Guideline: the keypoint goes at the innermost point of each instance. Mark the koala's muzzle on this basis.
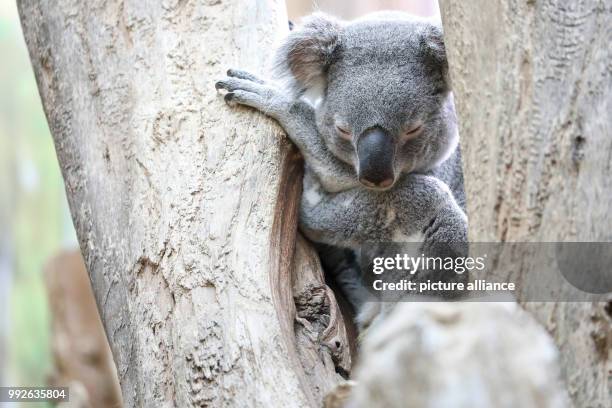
(376, 154)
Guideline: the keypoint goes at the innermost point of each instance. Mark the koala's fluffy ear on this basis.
(435, 55)
(303, 58)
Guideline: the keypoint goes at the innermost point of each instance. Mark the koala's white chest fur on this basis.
(312, 194)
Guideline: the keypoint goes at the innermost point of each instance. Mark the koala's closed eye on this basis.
(412, 132)
(342, 127)
(344, 132)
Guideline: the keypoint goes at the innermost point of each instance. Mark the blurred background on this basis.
(349, 9)
(34, 219)
(37, 239)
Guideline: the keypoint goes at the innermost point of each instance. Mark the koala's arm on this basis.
(297, 118)
(420, 208)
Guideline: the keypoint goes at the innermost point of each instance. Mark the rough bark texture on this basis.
(532, 83)
(175, 200)
(82, 359)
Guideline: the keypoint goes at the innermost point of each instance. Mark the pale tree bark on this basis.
(532, 83)
(459, 355)
(185, 211)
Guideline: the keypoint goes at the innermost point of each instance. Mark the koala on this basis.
(368, 104)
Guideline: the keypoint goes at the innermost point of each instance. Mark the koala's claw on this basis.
(237, 73)
(229, 98)
(246, 98)
(231, 84)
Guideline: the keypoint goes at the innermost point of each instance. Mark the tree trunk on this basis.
(451, 354)
(532, 86)
(185, 211)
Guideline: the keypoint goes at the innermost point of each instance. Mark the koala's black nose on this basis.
(376, 154)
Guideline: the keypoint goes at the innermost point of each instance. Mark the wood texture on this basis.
(532, 83)
(183, 208)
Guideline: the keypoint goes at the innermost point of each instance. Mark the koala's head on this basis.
(384, 105)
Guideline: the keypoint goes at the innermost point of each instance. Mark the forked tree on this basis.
(186, 211)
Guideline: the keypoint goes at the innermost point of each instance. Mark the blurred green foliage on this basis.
(33, 212)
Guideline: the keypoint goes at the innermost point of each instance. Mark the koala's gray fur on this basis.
(380, 143)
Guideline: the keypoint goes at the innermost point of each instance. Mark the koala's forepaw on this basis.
(246, 89)
(237, 79)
